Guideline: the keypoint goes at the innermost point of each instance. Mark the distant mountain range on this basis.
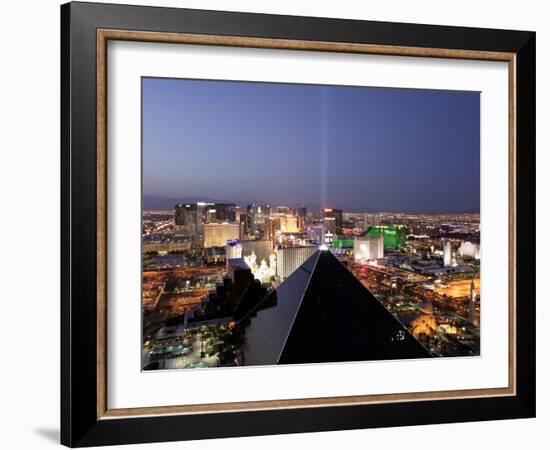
(158, 202)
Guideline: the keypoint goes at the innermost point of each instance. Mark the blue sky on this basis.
(349, 147)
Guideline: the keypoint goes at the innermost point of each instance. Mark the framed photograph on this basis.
(276, 224)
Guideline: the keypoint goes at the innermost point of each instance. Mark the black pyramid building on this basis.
(322, 313)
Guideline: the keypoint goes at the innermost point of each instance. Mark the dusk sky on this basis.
(354, 148)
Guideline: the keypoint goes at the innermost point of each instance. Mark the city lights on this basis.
(423, 268)
(271, 235)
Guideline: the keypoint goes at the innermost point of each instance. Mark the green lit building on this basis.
(394, 235)
(343, 243)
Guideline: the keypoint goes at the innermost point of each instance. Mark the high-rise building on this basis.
(332, 220)
(226, 212)
(289, 259)
(447, 253)
(302, 217)
(368, 248)
(256, 218)
(209, 215)
(185, 220)
(285, 223)
(217, 212)
(395, 236)
(203, 214)
(217, 234)
(242, 226)
(189, 219)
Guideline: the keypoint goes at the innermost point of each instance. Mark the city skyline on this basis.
(331, 145)
(153, 202)
(297, 224)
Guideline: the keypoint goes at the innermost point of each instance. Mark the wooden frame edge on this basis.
(512, 199)
(289, 44)
(104, 35)
(303, 403)
(101, 190)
